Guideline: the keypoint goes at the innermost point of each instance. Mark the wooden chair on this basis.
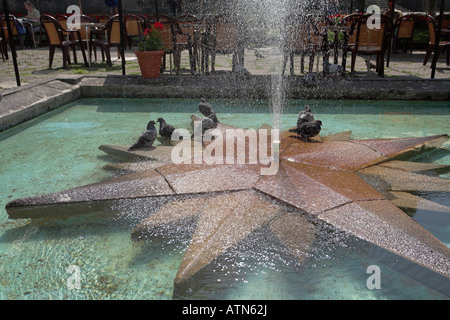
(112, 31)
(445, 21)
(305, 35)
(404, 29)
(15, 32)
(170, 33)
(103, 19)
(190, 38)
(433, 32)
(3, 44)
(55, 35)
(135, 27)
(62, 19)
(371, 41)
(223, 35)
(349, 23)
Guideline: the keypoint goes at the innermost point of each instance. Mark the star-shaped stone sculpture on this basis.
(354, 185)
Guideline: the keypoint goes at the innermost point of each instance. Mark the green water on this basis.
(59, 150)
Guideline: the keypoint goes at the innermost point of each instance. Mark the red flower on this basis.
(159, 25)
(147, 31)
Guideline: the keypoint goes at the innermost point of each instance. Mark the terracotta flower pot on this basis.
(150, 63)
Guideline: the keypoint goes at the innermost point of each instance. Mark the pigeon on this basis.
(258, 54)
(209, 122)
(332, 68)
(305, 116)
(165, 130)
(147, 137)
(240, 69)
(308, 130)
(205, 108)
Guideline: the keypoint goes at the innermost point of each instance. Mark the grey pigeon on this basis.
(205, 108)
(209, 122)
(332, 68)
(147, 137)
(258, 54)
(308, 130)
(305, 116)
(165, 130)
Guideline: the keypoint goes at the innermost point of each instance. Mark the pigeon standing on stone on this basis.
(147, 137)
(206, 123)
(305, 116)
(205, 108)
(210, 122)
(165, 130)
(308, 130)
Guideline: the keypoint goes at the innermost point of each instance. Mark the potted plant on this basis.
(150, 52)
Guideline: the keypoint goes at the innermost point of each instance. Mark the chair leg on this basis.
(66, 57)
(177, 61)
(51, 55)
(311, 61)
(192, 61)
(302, 63)
(108, 56)
(381, 65)
(352, 69)
(448, 55)
(74, 54)
(291, 63)
(213, 62)
(283, 67)
(428, 54)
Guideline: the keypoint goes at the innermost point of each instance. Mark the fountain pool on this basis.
(59, 150)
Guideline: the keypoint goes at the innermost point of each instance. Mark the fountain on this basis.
(345, 184)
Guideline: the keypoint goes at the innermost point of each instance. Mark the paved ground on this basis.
(33, 66)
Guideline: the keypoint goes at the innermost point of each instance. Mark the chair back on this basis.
(85, 32)
(405, 26)
(168, 32)
(53, 29)
(349, 22)
(445, 21)
(62, 19)
(103, 19)
(133, 25)
(188, 25)
(12, 23)
(224, 32)
(296, 34)
(113, 30)
(432, 26)
(372, 40)
(318, 27)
